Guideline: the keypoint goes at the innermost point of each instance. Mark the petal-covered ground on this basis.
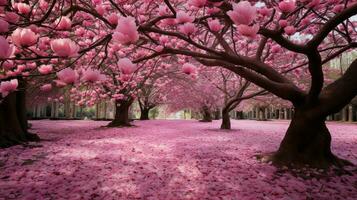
(165, 160)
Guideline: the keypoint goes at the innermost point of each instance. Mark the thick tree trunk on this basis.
(144, 114)
(207, 117)
(13, 120)
(306, 142)
(226, 120)
(121, 114)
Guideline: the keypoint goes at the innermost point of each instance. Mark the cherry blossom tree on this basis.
(307, 33)
(317, 31)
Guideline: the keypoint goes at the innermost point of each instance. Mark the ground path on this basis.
(160, 159)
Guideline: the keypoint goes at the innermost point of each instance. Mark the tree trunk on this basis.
(13, 120)
(144, 114)
(306, 142)
(121, 114)
(207, 117)
(226, 120)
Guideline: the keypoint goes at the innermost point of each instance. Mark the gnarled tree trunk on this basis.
(307, 141)
(13, 119)
(121, 117)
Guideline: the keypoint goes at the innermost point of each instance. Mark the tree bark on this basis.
(207, 117)
(121, 114)
(144, 113)
(226, 120)
(306, 142)
(13, 119)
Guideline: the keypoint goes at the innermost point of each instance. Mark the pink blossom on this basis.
(290, 30)
(91, 75)
(67, 76)
(126, 66)
(126, 31)
(183, 17)
(11, 17)
(248, 31)
(3, 2)
(187, 28)
(6, 50)
(243, 13)
(159, 48)
(214, 25)
(163, 10)
(283, 23)
(4, 26)
(264, 11)
(163, 39)
(63, 23)
(23, 8)
(287, 6)
(100, 9)
(8, 86)
(197, 3)
(113, 19)
(45, 69)
(188, 68)
(64, 47)
(275, 49)
(46, 88)
(24, 37)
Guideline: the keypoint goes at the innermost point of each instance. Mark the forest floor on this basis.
(172, 159)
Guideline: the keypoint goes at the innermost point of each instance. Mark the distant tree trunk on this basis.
(207, 117)
(231, 105)
(13, 119)
(226, 120)
(121, 117)
(144, 113)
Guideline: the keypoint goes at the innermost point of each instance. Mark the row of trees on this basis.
(106, 48)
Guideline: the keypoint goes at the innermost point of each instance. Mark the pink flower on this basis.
(64, 47)
(214, 25)
(188, 68)
(6, 50)
(67, 76)
(187, 28)
(182, 17)
(248, 31)
(197, 3)
(243, 13)
(113, 19)
(126, 31)
(163, 39)
(275, 49)
(46, 88)
(126, 66)
(45, 69)
(63, 23)
(159, 48)
(11, 17)
(264, 11)
(8, 86)
(283, 23)
(163, 10)
(23, 8)
(287, 6)
(90, 75)
(24, 37)
(3, 2)
(4, 26)
(290, 30)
